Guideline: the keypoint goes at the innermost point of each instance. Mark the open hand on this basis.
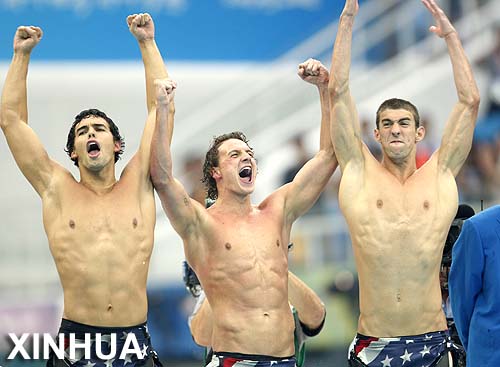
(443, 25)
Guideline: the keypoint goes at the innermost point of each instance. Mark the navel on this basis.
(134, 223)
(110, 307)
(426, 205)
(380, 203)
(227, 246)
(71, 224)
(277, 243)
(398, 296)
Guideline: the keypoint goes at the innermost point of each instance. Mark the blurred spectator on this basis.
(193, 166)
(427, 146)
(486, 146)
(302, 156)
(369, 139)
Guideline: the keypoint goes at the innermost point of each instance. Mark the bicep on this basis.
(30, 155)
(457, 137)
(183, 212)
(345, 130)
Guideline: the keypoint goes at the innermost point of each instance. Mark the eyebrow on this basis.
(239, 150)
(94, 125)
(398, 121)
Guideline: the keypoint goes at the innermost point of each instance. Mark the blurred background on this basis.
(235, 62)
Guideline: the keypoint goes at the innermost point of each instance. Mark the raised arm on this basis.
(182, 211)
(457, 137)
(345, 130)
(310, 309)
(25, 146)
(310, 181)
(143, 29)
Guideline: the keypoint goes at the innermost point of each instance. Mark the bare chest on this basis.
(425, 199)
(80, 214)
(245, 245)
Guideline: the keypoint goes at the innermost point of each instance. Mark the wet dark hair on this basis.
(396, 104)
(93, 112)
(212, 160)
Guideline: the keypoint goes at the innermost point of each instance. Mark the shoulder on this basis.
(486, 218)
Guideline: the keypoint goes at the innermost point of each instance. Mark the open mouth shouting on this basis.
(93, 149)
(246, 174)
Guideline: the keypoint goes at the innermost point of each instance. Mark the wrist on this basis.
(146, 41)
(22, 55)
(450, 33)
(347, 15)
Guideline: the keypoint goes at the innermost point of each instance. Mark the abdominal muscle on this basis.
(399, 284)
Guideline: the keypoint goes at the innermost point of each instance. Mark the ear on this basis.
(73, 155)
(376, 135)
(118, 146)
(216, 174)
(420, 134)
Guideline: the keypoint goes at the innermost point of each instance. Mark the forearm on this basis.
(14, 96)
(154, 68)
(307, 303)
(465, 83)
(345, 130)
(341, 58)
(161, 159)
(325, 140)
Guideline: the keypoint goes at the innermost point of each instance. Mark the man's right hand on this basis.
(313, 71)
(141, 26)
(26, 38)
(165, 91)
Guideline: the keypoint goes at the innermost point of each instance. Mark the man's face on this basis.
(397, 134)
(94, 144)
(237, 168)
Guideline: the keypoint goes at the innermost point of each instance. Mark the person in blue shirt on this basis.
(474, 286)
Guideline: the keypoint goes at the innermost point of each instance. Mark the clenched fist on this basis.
(26, 38)
(314, 72)
(165, 91)
(141, 26)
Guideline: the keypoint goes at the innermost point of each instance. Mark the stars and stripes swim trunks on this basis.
(222, 359)
(423, 350)
(121, 346)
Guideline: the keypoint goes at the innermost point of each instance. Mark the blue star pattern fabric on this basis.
(135, 340)
(405, 351)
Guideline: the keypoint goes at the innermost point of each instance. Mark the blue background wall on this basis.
(229, 30)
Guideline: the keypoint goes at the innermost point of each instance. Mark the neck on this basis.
(100, 182)
(400, 169)
(240, 205)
